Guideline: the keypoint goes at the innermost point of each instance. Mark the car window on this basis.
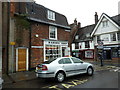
(49, 61)
(64, 61)
(61, 61)
(76, 60)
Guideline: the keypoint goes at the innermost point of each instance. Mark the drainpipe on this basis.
(1, 39)
(30, 46)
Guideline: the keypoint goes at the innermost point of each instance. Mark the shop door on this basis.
(107, 54)
(22, 59)
(63, 51)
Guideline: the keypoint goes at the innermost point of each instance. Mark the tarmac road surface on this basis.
(100, 79)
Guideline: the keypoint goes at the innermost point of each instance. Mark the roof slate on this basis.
(116, 19)
(82, 32)
(39, 13)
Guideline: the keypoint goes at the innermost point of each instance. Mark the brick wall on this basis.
(63, 35)
(42, 30)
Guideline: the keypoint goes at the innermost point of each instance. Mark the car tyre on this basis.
(90, 71)
(60, 77)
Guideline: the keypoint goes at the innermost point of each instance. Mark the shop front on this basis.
(55, 49)
(111, 52)
(83, 54)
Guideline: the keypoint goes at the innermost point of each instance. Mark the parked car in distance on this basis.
(63, 67)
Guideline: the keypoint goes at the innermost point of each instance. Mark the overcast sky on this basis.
(83, 10)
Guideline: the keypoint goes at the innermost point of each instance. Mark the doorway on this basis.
(22, 60)
(107, 54)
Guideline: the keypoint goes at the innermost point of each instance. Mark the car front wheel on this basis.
(60, 77)
(90, 71)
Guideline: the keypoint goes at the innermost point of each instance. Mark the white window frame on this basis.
(111, 38)
(50, 29)
(105, 23)
(51, 15)
(77, 37)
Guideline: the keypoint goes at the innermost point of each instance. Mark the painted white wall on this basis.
(106, 42)
(102, 30)
(82, 44)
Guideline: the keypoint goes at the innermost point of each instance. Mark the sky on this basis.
(82, 10)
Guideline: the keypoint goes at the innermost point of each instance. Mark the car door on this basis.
(79, 66)
(67, 65)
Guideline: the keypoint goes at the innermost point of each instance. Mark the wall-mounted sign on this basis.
(37, 46)
(12, 43)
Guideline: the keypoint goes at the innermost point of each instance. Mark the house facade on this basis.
(83, 45)
(106, 36)
(36, 34)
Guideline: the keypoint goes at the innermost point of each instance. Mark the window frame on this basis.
(105, 23)
(51, 30)
(113, 37)
(51, 15)
(118, 36)
(87, 44)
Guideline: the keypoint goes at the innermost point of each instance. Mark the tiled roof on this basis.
(116, 19)
(83, 32)
(38, 13)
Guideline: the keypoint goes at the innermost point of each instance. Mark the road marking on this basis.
(55, 87)
(67, 85)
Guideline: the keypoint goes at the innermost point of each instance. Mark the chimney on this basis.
(79, 25)
(96, 18)
(75, 22)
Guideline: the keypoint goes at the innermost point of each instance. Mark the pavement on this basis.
(29, 75)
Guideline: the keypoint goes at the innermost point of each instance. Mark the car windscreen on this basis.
(49, 61)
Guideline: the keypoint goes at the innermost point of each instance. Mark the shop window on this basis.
(88, 54)
(87, 45)
(52, 32)
(114, 52)
(52, 51)
(113, 36)
(119, 52)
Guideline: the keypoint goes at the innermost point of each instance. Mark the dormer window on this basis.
(76, 37)
(51, 15)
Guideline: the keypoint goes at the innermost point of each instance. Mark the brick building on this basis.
(36, 35)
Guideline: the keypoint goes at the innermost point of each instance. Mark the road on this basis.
(100, 79)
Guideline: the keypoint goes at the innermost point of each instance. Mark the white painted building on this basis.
(107, 30)
(83, 45)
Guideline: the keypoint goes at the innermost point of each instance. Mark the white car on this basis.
(63, 67)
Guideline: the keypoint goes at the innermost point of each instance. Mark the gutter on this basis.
(38, 20)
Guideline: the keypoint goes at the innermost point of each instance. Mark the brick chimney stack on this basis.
(79, 25)
(96, 18)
